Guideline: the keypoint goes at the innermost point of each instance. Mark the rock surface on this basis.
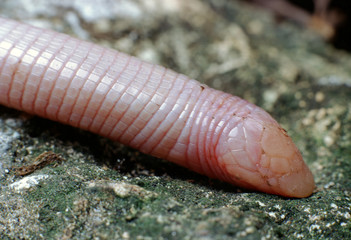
(104, 190)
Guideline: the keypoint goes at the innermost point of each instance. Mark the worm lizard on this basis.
(148, 107)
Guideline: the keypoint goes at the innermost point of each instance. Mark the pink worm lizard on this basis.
(148, 107)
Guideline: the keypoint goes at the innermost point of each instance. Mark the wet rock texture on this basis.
(104, 190)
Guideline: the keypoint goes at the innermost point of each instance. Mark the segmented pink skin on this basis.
(148, 107)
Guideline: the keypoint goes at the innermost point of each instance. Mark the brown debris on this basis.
(40, 162)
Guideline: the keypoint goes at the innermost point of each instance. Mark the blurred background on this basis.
(329, 18)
